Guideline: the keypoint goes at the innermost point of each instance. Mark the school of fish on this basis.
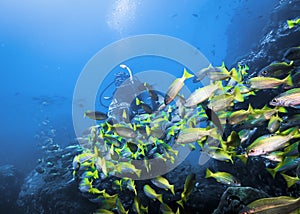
(203, 118)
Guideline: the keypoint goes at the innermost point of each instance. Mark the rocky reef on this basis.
(275, 39)
(51, 188)
(11, 180)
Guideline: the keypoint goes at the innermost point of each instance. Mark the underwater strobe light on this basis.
(133, 143)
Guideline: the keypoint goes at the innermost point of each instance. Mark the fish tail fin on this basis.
(237, 95)
(159, 197)
(96, 151)
(231, 160)
(144, 209)
(250, 109)
(109, 127)
(295, 133)
(288, 80)
(214, 133)
(84, 114)
(180, 202)
(138, 172)
(220, 85)
(148, 130)
(137, 101)
(290, 180)
(172, 189)
(208, 173)
(186, 74)
(235, 75)
(251, 93)
(272, 172)
(290, 23)
(95, 174)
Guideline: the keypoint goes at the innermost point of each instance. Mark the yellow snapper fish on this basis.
(163, 183)
(190, 135)
(232, 141)
(165, 209)
(240, 115)
(120, 208)
(95, 115)
(131, 185)
(224, 101)
(149, 192)
(176, 86)
(85, 185)
(271, 142)
(138, 207)
(290, 98)
(223, 177)
(276, 156)
(293, 22)
(107, 201)
(202, 94)
(90, 174)
(189, 185)
(124, 131)
(269, 82)
(238, 75)
(266, 113)
(246, 134)
(203, 72)
(101, 164)
(221, 74)
(219, 154)
(81, 160)
(290, 180)
(288, 163)
(274, 123)
(275, 205)
(143, 105)
(125, 167)
(276, 69)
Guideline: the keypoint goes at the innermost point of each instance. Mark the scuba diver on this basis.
(130, 97)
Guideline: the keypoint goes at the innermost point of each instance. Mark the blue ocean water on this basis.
(44, 46)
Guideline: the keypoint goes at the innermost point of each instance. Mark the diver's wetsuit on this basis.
(123, 97)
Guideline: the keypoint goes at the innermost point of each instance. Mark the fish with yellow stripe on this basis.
(176, 86)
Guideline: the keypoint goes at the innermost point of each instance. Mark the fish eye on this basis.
(77, 166)
(274, 100)
(251, 151)
(264, 72)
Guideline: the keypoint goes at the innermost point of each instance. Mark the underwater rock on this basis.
(54, 191)
(11, 181)
(235, 198)
(276, 39)
(206, 194)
